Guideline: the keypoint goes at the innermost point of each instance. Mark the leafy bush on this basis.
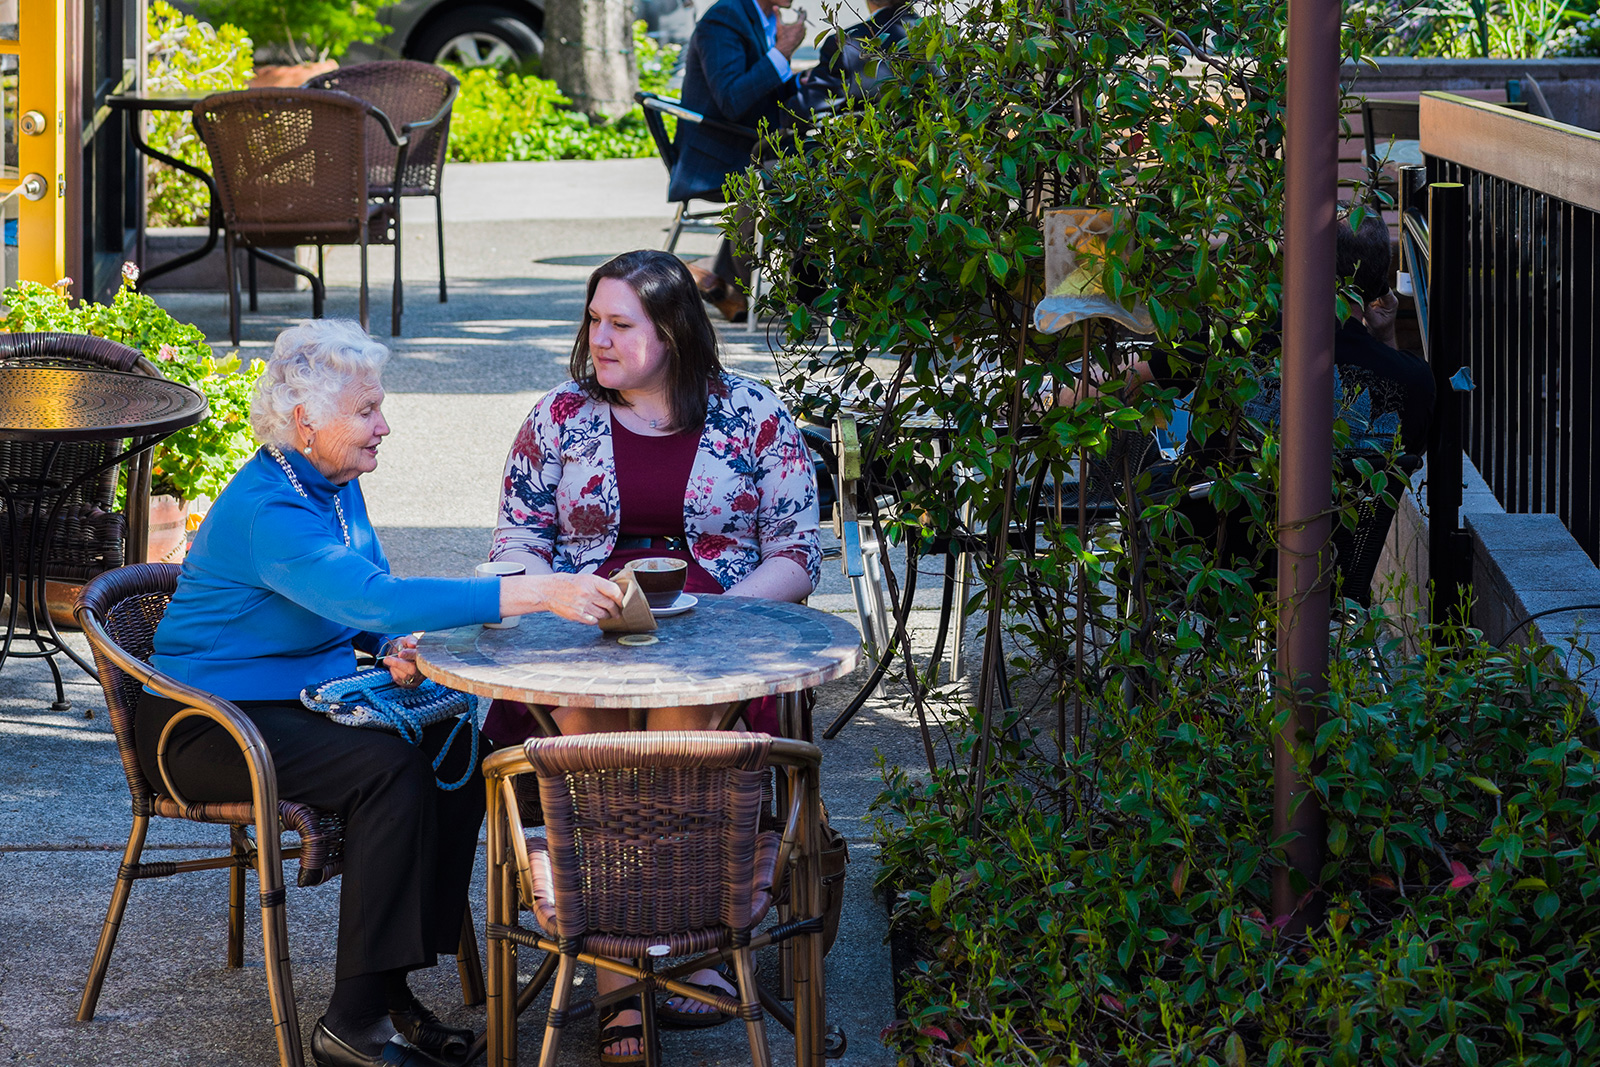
(502, 114)
(1462, 882)
(183, 53)
(198, 460)
(300, 31)
(1459, 29)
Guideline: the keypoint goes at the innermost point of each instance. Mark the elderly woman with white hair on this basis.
(284, 580)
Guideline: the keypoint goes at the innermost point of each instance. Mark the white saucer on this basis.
(684, 602)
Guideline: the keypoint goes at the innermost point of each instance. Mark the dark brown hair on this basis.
(672, 302)
(1363, 254)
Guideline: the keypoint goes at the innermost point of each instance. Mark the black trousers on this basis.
(409, 845)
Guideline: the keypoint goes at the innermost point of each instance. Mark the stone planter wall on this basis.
(210, 274)
(1572, 86)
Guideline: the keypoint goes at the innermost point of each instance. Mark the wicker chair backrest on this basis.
(129, 603)
(288, 162)
(406, 91)
(651, 833)
(90, 535)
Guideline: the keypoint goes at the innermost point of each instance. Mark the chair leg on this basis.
(438, 215)
(320, 250)
(560, 1001)
(275, 949)
(113, 923)
(364, 324)
(241, 851)
(397, 297)
(750, 1002)
(677, 228)
(468, 964)
(250, 270)
(501, 1024)
(229, 251)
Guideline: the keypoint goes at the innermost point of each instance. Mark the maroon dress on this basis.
(652, 481)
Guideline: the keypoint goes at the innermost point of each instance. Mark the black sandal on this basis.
(674, 1019)
(613, 1035)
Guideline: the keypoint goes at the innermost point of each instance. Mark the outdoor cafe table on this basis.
(136, 104)
(57, 406)
(725, 649)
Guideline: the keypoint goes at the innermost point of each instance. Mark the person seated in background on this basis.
(849, 62)
(654, 450)
(284, 581)
(736, 71)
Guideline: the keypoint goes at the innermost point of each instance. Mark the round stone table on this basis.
(725, 649)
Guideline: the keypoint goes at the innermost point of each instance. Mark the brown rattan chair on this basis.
(91, 535)
(417, 98)
(119, 612)
(653, 847)
(290, 167)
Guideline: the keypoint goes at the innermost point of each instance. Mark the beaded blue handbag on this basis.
(369, 700)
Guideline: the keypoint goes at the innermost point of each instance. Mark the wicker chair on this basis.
(119, 612)
(416, 97)
(291, 169)
(653, 848)
(91, 536)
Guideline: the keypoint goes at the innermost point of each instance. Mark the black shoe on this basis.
(328, 1049)
(423, 1029)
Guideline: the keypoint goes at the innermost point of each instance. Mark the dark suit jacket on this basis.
(726, 77)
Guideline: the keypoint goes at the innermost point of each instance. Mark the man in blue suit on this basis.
(736, 71)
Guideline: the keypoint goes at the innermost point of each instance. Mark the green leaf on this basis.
(1484, 784)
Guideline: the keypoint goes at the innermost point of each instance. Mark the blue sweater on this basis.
(271, 601)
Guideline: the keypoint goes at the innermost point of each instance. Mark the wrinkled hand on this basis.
(585, 598)
(788, 35)
(1379, 317)
(402, 662)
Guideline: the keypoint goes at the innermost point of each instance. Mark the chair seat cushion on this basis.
(682, 942)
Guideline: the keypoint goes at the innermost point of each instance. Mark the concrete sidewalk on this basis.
(462, 379)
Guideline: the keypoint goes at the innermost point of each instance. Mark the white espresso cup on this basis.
(500, 570)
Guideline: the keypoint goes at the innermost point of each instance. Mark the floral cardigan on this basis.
(752, 492)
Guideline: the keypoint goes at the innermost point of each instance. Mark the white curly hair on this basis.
(312, 363)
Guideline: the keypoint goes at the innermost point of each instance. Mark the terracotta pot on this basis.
(169, 528)
(290, 77)
(169, 542)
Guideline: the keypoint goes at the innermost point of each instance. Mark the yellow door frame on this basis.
(40, 185)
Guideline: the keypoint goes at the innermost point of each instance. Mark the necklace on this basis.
(272, 450)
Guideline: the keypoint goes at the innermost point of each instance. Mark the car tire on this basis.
(477, 37)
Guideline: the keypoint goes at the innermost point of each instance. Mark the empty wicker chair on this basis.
(119, 612)
(653, 847)
(291, 169)
(92, 536)
(417, 98)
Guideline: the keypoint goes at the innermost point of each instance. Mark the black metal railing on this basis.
(1509, 279)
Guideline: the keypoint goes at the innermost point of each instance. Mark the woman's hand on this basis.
(400, 656)
(1379, 316)
(585, 598)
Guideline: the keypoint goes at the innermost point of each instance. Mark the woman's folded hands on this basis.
(585, 598)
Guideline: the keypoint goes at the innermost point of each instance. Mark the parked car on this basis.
(496, 32)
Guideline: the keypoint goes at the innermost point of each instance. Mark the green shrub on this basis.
(186, 54)
(301, 31)
(1462, 882)
(198, 460)
(503, 114)
(1459, 29)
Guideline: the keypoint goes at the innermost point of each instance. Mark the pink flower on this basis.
(710, 546)
(746, 502)
(592, 485)
(590, 520)
(166, 353)
(130, 271)
(527, 444)
(565, 406)
(767, 434)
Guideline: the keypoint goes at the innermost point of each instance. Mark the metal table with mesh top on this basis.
(726, 649)
(50, 409)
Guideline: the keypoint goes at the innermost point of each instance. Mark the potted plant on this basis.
(191, 466)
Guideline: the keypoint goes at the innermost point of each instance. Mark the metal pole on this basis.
(1447, 307)
(1311, 157)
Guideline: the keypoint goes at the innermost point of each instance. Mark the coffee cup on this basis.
(660, 578)
(500, 569)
